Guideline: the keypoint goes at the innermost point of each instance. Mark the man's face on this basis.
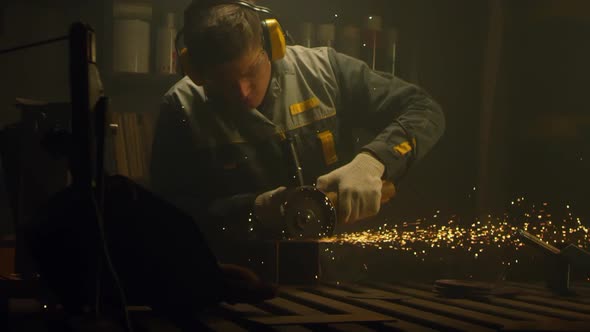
(241, 83)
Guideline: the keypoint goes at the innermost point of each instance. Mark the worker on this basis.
(218, 146)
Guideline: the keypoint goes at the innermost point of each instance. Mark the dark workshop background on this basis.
(512, 77)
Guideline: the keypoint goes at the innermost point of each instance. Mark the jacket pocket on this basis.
(317, 147)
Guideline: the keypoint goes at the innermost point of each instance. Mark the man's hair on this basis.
(218, 33)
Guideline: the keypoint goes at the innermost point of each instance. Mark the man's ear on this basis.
(188, 68)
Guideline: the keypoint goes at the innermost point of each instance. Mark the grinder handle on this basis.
(387, 193)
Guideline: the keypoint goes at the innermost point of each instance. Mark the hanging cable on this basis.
(35, 44)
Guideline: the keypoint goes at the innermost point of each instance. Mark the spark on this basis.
(417, 236)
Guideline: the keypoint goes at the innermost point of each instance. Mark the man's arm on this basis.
(179, 174)
(408, 121)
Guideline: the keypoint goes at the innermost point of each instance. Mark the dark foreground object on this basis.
(158, 252)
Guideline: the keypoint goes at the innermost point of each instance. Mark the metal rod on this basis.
(82, 107)
(393, 59)
(35, 44)
(374, 48)
(295, 163)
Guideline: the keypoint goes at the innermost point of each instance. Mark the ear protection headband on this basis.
(273, 37)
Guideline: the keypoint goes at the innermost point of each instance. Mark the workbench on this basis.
(406, 307)
(378, 306)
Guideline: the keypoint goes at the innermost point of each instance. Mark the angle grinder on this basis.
(311, 214)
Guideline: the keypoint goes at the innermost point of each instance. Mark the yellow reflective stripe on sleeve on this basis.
(304, 106)
(403, 148)
(328, 146)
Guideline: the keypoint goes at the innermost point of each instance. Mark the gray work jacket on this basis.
(213, 162)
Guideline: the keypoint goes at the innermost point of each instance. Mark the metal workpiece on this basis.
(558, 262)
(297, 262)
(284, 262)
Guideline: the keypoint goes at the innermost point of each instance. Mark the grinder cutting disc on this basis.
(309, 214)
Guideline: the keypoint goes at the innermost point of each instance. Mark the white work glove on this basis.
(358, 185)
(267, 206)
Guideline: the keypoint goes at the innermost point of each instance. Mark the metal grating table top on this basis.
(404, 307)
(376, 306)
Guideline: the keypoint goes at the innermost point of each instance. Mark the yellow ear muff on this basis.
(278, 45)
(187, 67)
